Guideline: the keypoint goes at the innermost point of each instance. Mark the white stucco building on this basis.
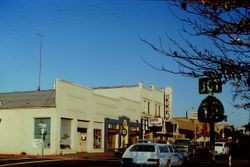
(73, 118)
(154, 103)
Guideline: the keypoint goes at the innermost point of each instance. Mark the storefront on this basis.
(73, 118)
(120, 132)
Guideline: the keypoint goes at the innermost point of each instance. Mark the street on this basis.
(218, 163)
(105, 163)
(59, 162)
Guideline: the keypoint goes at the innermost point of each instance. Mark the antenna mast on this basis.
(40, 36)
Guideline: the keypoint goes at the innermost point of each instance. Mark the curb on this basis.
(65, 156)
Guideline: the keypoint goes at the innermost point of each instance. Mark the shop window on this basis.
(148, 107)
(145, 106)
(42, 130)
(157, 110)
(97, 138)
(65, 142)
(112, 126)
(82, 130)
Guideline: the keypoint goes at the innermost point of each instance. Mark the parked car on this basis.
(178, 158)
(182, 149)
(183, 141)
(183, 146)
(146, 141)
(120, 151)
(221, 148)
(151, 154)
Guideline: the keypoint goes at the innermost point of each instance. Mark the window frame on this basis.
(47, 130)
(97, 136)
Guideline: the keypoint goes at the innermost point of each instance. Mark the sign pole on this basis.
(211, 126)
(211, 110)
(42, 126)
(212, 138)
(42, 133)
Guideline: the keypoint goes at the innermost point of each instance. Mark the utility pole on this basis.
(40, 36)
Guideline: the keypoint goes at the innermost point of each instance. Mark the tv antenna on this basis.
(40, 36)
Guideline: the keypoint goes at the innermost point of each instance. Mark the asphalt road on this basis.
(106, 163)
(218, 163)
(60, 163)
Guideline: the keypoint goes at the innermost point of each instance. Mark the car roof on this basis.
(156, 144)
(219, 142)
(146, 141)
(145, 144)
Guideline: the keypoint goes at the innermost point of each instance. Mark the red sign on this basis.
(166, 107)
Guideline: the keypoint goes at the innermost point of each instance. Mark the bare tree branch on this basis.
(226, 24)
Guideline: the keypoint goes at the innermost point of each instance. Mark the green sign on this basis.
(210, 85)
(211, 109)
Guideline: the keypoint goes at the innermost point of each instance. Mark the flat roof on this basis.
(113, 87)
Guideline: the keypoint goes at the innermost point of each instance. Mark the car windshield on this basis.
(143, 148)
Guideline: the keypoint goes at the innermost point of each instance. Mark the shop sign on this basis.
(154, 122)
(167, 104)
(37, 143)
(124, 132)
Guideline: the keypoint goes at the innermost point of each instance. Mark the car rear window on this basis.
(218, 144)
(164, 149)
(171, 149)
(143, 148)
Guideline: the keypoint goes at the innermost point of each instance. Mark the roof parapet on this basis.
(140, 84)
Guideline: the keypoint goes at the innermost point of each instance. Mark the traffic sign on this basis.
(211, 109)
(210, 85)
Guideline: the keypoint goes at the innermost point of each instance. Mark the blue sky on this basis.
(94, 43)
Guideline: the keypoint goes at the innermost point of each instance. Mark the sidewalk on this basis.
(108, 155)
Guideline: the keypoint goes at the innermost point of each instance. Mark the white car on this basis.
(221, 148)
(151, 154)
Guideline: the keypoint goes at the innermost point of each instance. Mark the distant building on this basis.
(192, 128)
(73, 118)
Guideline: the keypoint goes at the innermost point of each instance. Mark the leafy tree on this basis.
(226, 23)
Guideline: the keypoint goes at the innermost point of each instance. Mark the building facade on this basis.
(155, 106)
(73, 118)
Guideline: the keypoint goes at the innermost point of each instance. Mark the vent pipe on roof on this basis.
(151, 86)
